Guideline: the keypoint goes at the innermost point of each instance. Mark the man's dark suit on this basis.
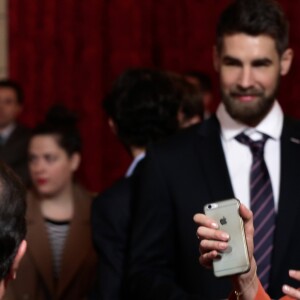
(180, 176)
(14, 152)
(111, 220)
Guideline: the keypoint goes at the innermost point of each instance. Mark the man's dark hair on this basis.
(11, 84)
(62, 124)
(144, 104)
(254, 17)
(202, 78)
(12, 217)
(191, 97)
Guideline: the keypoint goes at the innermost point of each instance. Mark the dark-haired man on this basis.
(142, 108)
(203, 82)
(191, 110)
(208, 163)
(12, 225)
(13, 136)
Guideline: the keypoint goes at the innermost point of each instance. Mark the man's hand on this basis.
(213, 240)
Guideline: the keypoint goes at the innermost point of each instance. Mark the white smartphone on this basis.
(235, 259)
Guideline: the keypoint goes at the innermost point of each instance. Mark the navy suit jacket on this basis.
(111, 222)
(180, 176)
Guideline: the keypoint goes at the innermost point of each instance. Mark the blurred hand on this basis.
(290, 291)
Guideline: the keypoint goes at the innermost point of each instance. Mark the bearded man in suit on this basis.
(206, 163)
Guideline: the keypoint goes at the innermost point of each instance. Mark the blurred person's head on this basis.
(12, 225)
(251, 55)
(142, 107)
(11, 101)
(202, 81)
(54, 152)
(191, 110)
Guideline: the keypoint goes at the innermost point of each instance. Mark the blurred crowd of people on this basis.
(62, 260)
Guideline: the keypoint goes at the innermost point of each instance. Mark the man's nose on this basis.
(246, 78)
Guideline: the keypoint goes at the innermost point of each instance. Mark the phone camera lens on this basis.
(209, 206)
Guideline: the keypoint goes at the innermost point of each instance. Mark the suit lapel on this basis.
(75, 250)
(38, 243)
(211, 157)
(289, 204)
(14, 135)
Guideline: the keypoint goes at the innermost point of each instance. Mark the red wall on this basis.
(70, 51)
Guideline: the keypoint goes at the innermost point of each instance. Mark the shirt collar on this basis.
(271, 125)
(134, 163)
(7, 131)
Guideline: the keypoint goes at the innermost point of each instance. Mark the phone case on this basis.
(235, 259)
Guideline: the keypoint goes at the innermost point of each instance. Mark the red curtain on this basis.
(70, 51)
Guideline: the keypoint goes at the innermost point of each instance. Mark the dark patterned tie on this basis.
(262, 205)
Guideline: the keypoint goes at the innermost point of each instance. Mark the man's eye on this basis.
(231, 63)
(50, 158)
(263, 63)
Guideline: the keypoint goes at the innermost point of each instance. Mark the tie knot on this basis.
(256, 147)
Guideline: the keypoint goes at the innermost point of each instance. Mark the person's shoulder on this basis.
(32, 207)
(180, 139)
(291, 126)
(119, 185)
(31, 196)
(291, 121)
(185, 138)
(118, 190)
(22, 129)
(82, 196)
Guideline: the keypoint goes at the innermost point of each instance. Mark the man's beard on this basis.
(250, 113)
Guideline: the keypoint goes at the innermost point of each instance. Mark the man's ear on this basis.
(112, 125)
(75, 161)
(286, 61)
(16, 262)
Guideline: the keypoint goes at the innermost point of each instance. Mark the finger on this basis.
(204, 220)
(247, 217)
(212, 234)
(206, 259)
(290, 291)
(245, 212)
(294, 274)
(210, 245)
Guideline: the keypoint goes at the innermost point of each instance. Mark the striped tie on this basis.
(262, 205)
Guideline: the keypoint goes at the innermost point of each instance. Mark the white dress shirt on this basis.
(134, 163)
(239, 157)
